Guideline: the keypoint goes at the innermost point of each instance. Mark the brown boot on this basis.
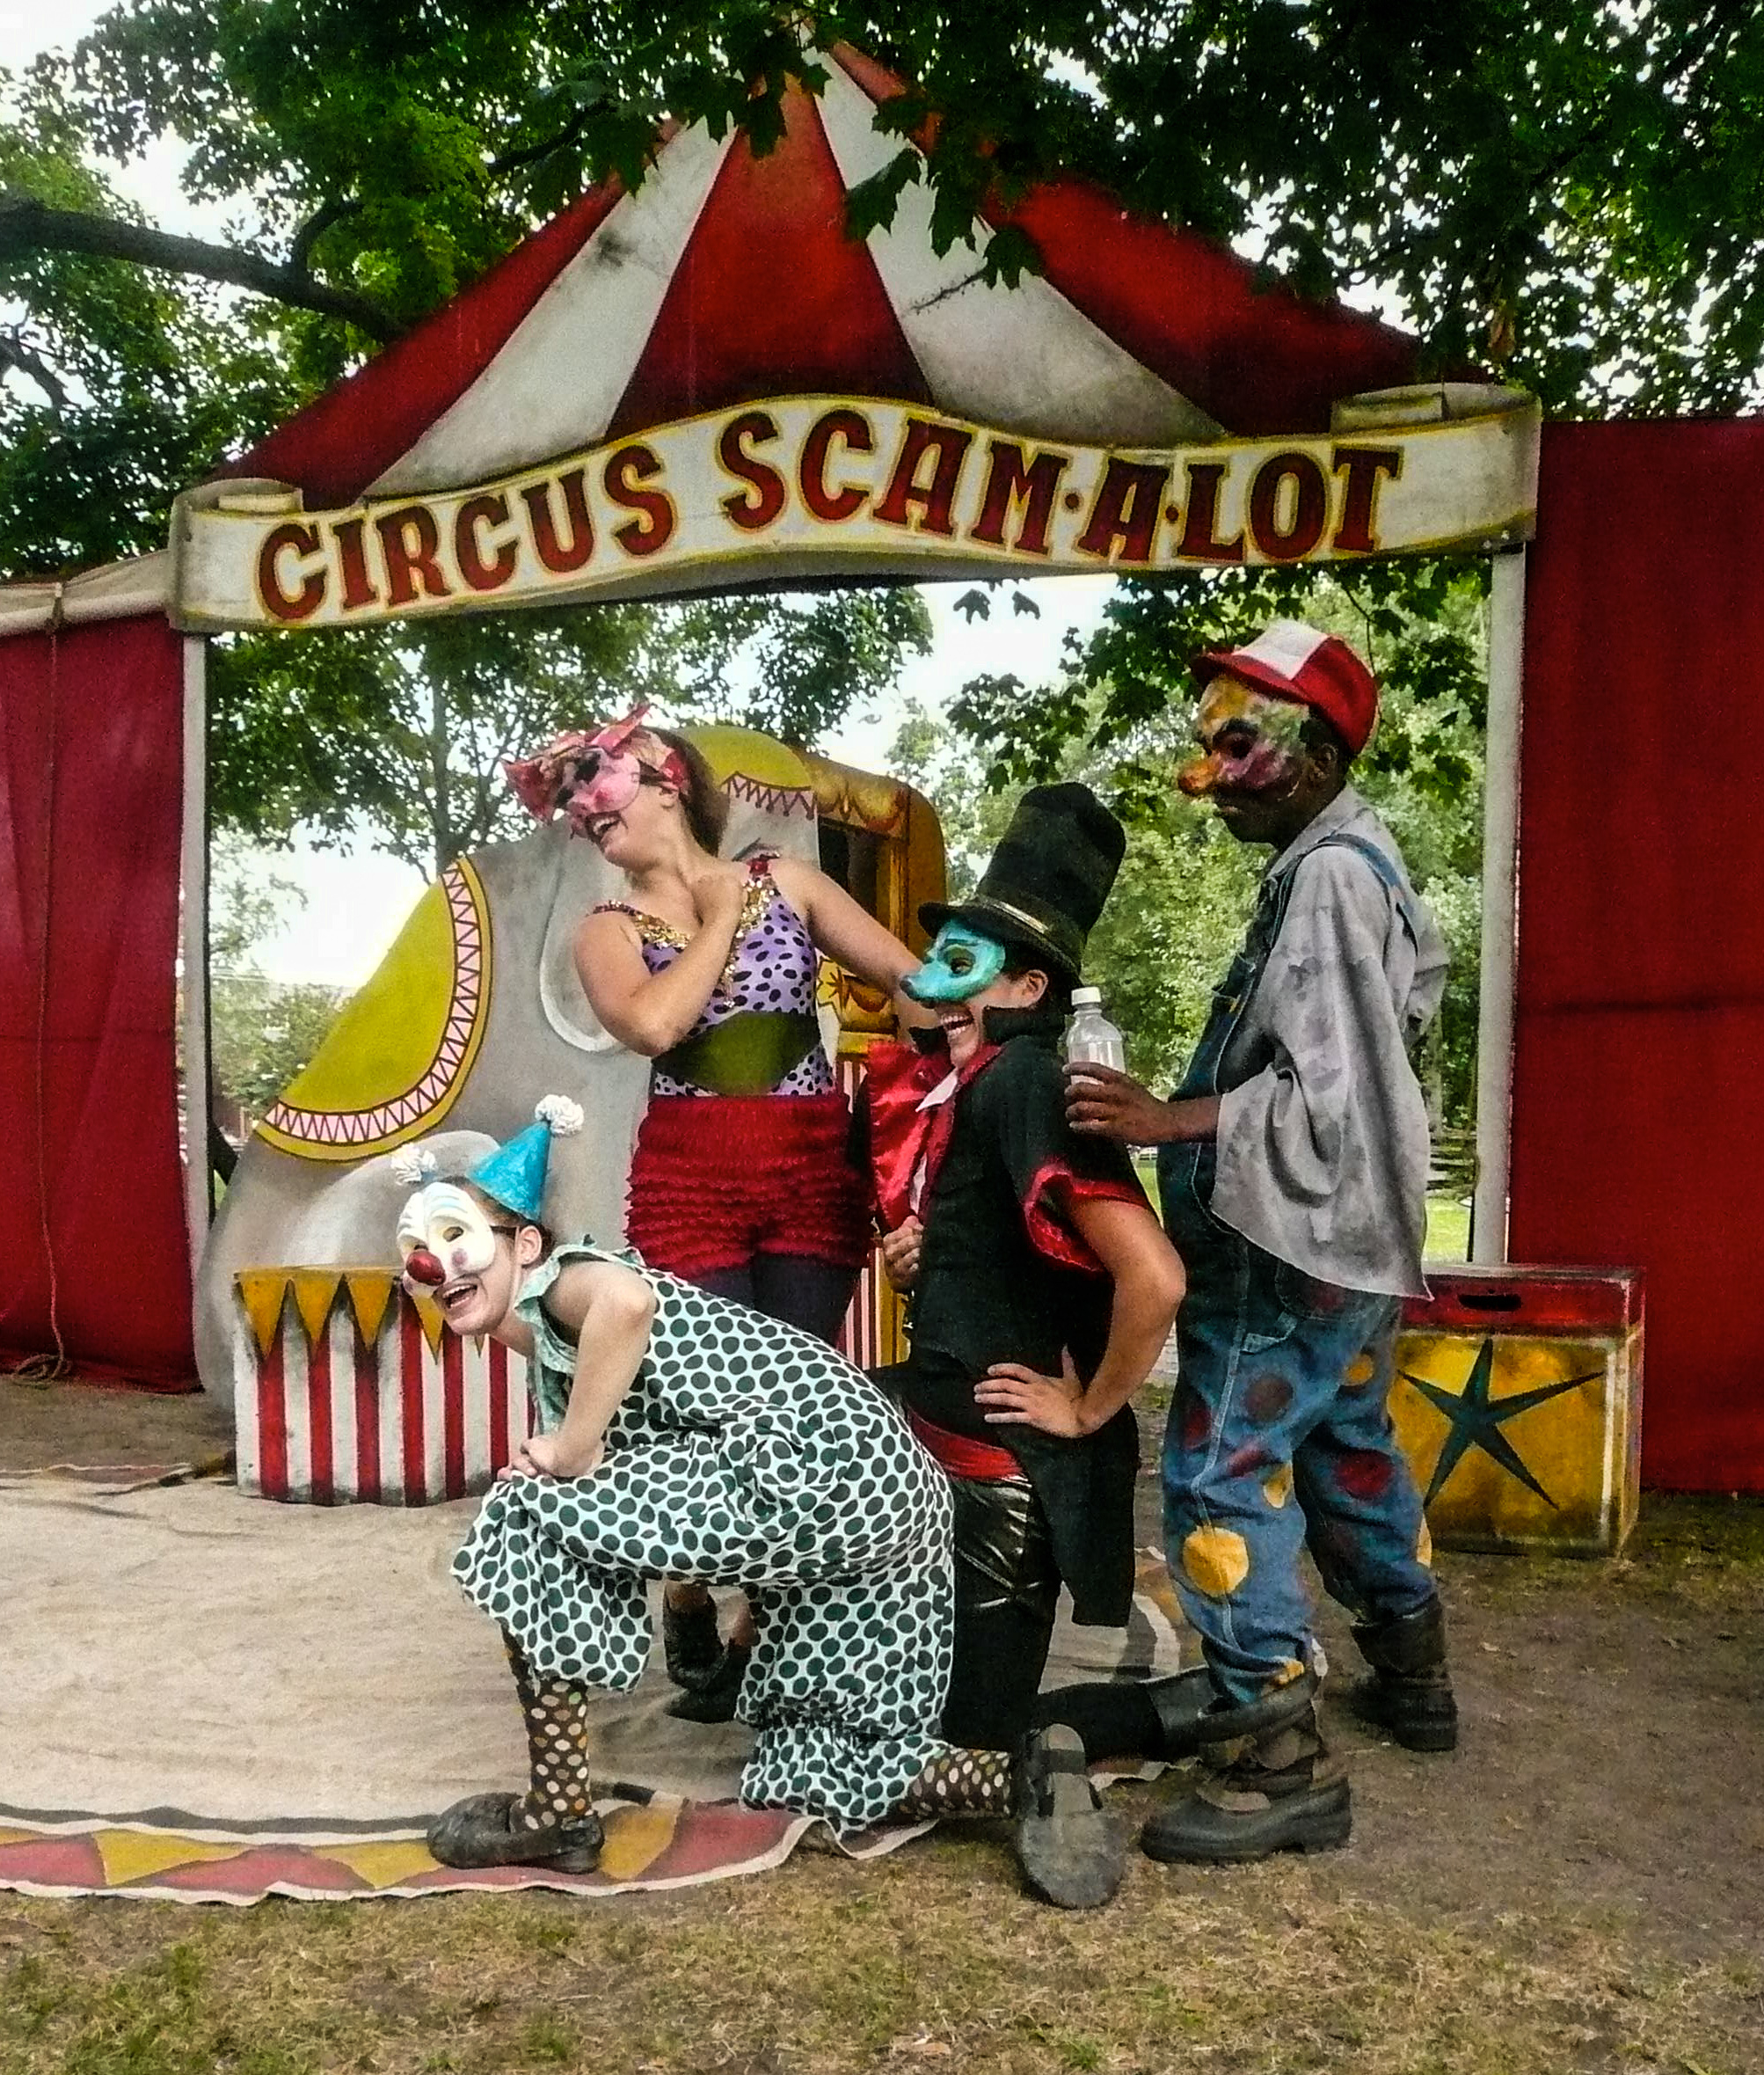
(1274, 1789)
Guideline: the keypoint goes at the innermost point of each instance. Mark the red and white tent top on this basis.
(728, 278)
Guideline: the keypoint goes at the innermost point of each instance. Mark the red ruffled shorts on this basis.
(717, 1179)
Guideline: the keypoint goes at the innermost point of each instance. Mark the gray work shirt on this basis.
(1322, 1130)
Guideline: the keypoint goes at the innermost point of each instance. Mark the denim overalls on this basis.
(1281, 1397)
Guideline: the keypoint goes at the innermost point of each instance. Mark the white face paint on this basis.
(445, 1222)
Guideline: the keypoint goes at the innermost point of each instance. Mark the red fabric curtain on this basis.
(94, 1257)
(1638, 1094)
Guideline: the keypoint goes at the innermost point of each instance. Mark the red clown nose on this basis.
(422, 1267)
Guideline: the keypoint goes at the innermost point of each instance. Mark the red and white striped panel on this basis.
(330, 1419)
(871, 1335)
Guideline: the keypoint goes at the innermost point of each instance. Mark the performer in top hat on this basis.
(1043, 1288)
(1293, 1167)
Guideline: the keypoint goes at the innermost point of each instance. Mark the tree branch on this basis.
(321, 220)
(27, 225)
(507, 162)
(15, 354)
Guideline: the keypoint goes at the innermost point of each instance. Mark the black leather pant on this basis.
(1006, 1591)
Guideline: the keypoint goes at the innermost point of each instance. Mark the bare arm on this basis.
(610, 1310)
(652, 1012)
(1149, 1283)
(844, 930)
(1110, 1104)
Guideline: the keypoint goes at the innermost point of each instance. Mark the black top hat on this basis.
(1048, 877)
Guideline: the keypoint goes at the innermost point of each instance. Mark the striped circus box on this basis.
(347, 1389)
(1518, 1400)
(874, 1333)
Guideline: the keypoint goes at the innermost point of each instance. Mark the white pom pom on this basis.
(564, 1116)
(413, 1166)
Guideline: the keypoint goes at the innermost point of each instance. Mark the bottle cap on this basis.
(1087, 998)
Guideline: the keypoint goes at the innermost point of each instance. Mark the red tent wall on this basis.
(1638, 1064)
(94, 1255)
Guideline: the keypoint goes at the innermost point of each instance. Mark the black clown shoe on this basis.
(482, 1831)
(1071, 1851)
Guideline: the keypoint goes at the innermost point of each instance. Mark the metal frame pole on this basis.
(193, 946)
(1500, 910)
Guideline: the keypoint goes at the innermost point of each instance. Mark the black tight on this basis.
(814, 1295)
(1001, 1651)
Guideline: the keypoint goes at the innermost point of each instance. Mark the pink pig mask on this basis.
(589, 775)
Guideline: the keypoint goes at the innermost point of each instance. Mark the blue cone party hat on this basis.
(514, 1173)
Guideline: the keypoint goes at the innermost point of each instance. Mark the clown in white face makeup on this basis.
(464, 1250)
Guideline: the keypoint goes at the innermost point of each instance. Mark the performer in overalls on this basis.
(1293, 1169)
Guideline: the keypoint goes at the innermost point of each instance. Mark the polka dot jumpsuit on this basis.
(745, 1453)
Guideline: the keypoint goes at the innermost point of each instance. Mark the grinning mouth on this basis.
(957, 1021)
(601, 826)
(453, 1296)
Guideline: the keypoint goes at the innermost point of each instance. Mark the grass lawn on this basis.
(1576, 1891)
(1448, 1228)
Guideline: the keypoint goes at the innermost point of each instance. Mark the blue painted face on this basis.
(959, 964)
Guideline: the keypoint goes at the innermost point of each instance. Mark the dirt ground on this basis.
(1579, 1887)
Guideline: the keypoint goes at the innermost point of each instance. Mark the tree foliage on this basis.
(1119, 719)
(1577, 183)
(405, 726)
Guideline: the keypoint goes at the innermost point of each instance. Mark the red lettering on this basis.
(285, 605)
(763, 499)
(468, 550)
(1200, 540)
(1358, 512)
(949, 444)
(352, 555)
(1127, 508)
(1310, 506)
(853, 428)
(409, 541)
(557, 556)
(626, 472)
(1009, 480)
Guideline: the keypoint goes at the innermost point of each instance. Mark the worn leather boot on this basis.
(1410, 1692)
(486, 1829)
(690, 1643)
(1273, 1789)
(1071, 1851)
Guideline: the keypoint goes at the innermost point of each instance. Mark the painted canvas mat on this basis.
(165, 1855)
(214, 1697)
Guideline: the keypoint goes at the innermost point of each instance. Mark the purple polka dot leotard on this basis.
(773, 965)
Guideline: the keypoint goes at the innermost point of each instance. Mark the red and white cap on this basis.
(1291, 660)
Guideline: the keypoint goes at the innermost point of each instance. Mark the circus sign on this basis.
(842, 486)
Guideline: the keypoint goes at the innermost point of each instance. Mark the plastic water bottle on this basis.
(1091, 1040)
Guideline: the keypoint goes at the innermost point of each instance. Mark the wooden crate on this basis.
(1517, 1400)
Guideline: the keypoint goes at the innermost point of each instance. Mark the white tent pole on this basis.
(193, 945)
(1500, 910)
